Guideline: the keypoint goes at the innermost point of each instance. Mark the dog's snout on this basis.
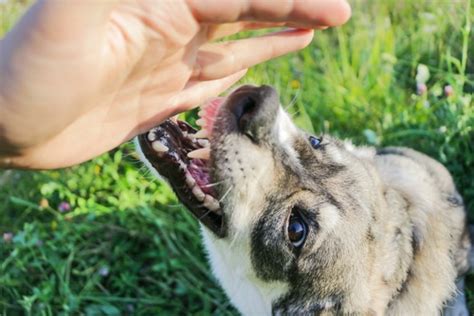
(254, 109)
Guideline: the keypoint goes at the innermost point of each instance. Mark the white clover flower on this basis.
(422, 73)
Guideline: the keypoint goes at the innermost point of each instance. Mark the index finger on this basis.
(308, 13)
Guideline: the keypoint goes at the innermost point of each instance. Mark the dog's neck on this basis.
(235, 274)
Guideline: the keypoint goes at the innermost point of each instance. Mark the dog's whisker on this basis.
(293, 101)
(210, 185)
(204, 215)
(226, 193)
(293, 114)
(146, 173)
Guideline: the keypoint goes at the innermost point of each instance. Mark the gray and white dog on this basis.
(296, 224)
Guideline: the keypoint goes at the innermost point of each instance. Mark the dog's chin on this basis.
(175, 150)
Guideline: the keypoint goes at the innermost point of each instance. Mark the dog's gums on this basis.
(180, 154)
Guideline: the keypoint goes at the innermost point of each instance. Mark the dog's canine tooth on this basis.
(201, 113)
(211, 203)
(204, 142)
(201, 134)
(151, 136)
(201, 153)
(198, 193)
(159, 147)
(190, 180)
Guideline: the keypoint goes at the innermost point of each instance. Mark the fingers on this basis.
(309, 13)
(221, 59)
(217, 31)
(196, 92)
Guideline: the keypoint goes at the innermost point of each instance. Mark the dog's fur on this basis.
(387, 231)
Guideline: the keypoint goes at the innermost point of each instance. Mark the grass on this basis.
(126, 246)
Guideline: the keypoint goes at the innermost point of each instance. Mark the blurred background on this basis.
(105, 238)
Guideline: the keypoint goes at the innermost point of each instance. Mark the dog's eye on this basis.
(297, 230)
(315, 142)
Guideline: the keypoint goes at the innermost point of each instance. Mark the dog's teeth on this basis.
(198, 193)
(201, 122)
(201, 113)
(201, 134)
(211, 203)
(190, 180)
(151, 135)
(202, 153)
(159, 147)
(204, 142)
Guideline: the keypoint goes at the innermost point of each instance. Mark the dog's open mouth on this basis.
(181, 154)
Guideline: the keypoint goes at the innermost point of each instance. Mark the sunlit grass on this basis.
(127, 246)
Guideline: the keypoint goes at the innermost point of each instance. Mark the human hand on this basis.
(78, 78)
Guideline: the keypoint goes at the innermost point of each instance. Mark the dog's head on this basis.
(286, 214)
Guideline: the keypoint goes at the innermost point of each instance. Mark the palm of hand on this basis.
(132, 65)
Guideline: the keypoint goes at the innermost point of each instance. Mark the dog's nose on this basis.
(254, 109)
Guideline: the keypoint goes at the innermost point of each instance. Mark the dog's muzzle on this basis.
(183, 155)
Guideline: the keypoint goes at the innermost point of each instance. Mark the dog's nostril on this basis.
(248, 108)
(253, 110)
(244, 109)
(244, 106)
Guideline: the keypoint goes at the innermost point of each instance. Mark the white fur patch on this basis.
(286, 131)
(329, 216)
(231, 265)
(249, 197)
(361, 152)
(335, 154)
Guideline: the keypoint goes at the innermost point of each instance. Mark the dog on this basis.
(299, 224)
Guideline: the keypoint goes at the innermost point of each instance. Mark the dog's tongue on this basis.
(208, 113)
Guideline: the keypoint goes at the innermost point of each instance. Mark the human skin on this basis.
(78, 78)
